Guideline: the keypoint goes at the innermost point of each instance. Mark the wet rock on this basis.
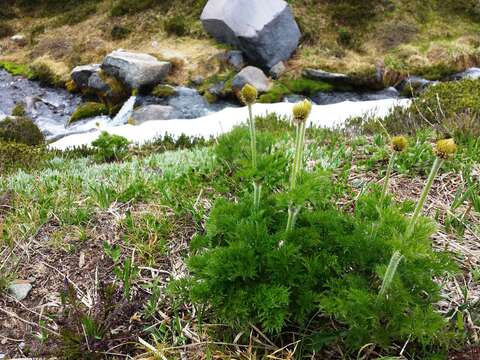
(328, 77)
(135, 70)
(82, 74)
(217, 89)
(328, 98)
(253, 76)
(265, 31)
(97, 84)
(277, 70)
(19, 40)
(469, 74)
(153, 112)
(20, 289)
(413, 85)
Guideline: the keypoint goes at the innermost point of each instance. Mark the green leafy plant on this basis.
(110, 147)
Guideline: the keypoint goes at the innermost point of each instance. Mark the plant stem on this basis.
(257, 194)
(253, 137)
(297, 165)
(390, 273)
(421, 202)
(387, 177)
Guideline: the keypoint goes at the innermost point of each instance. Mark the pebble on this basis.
(20, 289)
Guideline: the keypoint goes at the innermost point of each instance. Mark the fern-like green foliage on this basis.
(248, 269)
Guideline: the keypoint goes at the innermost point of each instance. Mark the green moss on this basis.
(17, 69)
(21, 130)
(275, 94)
(19, 110)
(14, 156)
(307, 87)
(210, 97)
(88, 110)
(163, 91)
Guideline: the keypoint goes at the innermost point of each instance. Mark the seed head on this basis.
(249, 94)
(399, 143)
(301, 111)
(445, 148)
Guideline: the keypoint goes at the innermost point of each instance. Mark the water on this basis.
(51, 108)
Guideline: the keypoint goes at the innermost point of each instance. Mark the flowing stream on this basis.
(51, 109)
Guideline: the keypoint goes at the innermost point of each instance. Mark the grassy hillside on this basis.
(430, 38)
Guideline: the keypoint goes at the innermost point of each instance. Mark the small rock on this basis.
(328, 77)
(414, 85)
(217, 89)
(20, 289)
(153, 112)
(19, 40)
(81, 74)
(197, 80)
(135, 70)
(235, 59)
(253, 76)
(469, 74)
(277, 70)
(96, 83)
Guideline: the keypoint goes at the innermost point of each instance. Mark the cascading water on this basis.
(125, 112)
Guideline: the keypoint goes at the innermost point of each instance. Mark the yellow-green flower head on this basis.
(301, 111)
(399, 143)
(445, 148)
(248, 94)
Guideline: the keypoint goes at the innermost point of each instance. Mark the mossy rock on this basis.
(163, 91)
(88, 110)
(300, 86)
(21, 130)
(17, 69)
(116, 94)
(275, 94)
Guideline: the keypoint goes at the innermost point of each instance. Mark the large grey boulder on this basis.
(264, 30)
(135, 70)
(81, 74)
(253, 76)
(153, 112)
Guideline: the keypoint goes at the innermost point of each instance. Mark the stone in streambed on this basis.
(135, 70)
(253, 76)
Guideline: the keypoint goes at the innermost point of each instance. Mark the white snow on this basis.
(223, 121)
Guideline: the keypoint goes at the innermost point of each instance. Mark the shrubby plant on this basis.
(334, 276)
(110, 147)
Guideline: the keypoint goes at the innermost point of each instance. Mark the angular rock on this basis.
(19, 40)
(20, 289)
(81, 74)
(277, 70)
(265, 31)
(135, 70)
(253, 76)
(328, 77)
(153, 112)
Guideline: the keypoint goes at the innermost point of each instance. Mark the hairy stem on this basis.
(253, 137)
(390, 273)
(421, 202)
(387, 177)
